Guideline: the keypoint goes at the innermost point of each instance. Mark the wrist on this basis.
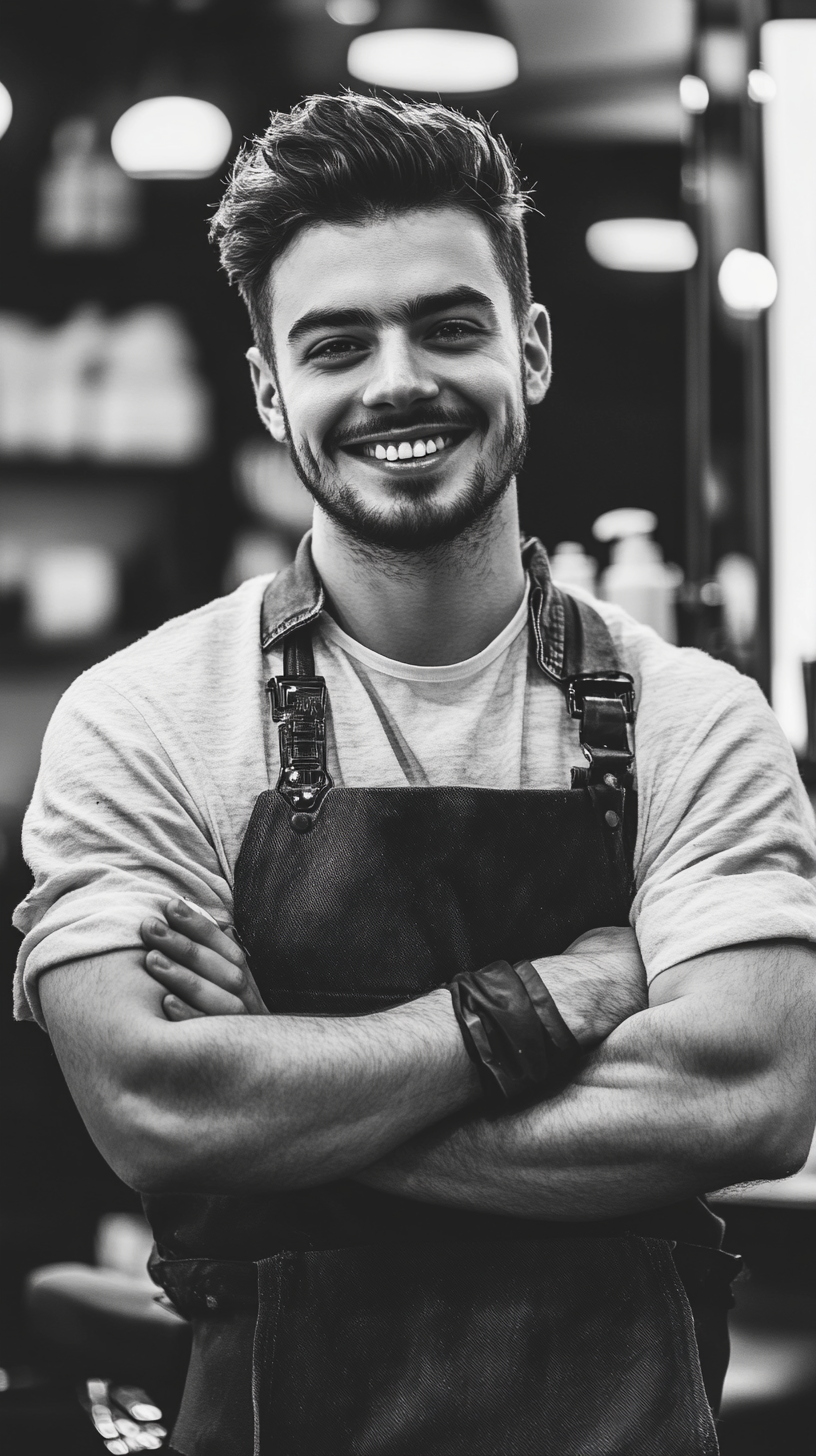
(561, 976)
(440, 1049)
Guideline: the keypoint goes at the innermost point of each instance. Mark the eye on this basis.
(331, 350)
(455, 330)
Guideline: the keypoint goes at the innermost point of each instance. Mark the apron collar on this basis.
(295, 598)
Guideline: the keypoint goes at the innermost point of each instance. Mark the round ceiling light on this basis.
(171, 136)
(642, 244)
(761, 87)
(353, 12)
(747, 282)
(694, 96)
(433, 60)
(6, 109)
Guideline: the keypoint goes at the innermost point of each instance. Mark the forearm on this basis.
(227, 1103)
(680, 1099)
(618, 1138)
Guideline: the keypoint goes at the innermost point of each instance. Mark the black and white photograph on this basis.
(408, 727)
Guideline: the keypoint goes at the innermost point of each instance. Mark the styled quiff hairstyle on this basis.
(352, 158)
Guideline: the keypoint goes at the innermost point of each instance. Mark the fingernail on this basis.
(180, 907)
(158, 927)
(157, 959)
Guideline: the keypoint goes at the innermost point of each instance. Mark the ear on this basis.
(536, 347)
(267, 395)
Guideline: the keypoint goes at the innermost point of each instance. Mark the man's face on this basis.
(399, 380)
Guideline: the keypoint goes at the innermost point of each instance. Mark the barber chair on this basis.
(93, 1325)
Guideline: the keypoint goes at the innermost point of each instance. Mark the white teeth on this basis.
(408, 449)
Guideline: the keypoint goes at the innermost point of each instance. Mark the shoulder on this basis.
(199, 658)
(673, 685)
(706, 738)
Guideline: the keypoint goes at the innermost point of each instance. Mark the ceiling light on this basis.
(433, 60)
(353, 12)
(434, 45)
(642, 244)
(6, 109)
(694, 95)
(171, 136)
(747, 283)
(761, 87)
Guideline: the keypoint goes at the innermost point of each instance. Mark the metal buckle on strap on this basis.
(299, 705)
(605, 705)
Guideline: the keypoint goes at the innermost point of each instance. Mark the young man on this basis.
(422, 1153)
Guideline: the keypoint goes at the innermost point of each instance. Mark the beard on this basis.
(415, 521)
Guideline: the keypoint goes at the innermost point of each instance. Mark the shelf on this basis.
(76, 471)
(25, 654)
(796, 1192)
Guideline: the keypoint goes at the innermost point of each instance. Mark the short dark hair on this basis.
(352, 158)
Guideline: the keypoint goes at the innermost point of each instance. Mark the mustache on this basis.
(430, 418)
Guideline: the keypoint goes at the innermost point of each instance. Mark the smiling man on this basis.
(483, 994)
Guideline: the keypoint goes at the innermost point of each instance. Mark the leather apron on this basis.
(340, 1321)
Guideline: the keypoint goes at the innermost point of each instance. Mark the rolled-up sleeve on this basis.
(728, 849)
(114, 828)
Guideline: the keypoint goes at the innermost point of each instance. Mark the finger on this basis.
(209, 964)
(194, 990)
(200, 927)
(176, 1010)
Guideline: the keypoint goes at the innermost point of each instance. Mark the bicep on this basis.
(744, 1017)
(104, 1017)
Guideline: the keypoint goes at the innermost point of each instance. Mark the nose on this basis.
(400, 376)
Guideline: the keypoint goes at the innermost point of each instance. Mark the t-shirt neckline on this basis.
(415, 672)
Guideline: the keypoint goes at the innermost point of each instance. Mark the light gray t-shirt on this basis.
(154, 758)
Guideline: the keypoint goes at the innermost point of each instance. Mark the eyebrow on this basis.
(409, 312)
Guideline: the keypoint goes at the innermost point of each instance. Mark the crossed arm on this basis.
(712, 1082)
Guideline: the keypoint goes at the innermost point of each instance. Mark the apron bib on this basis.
(340, 1321)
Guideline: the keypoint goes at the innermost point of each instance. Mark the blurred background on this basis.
(672, 148)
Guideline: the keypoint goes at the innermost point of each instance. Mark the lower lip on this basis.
(416, 463)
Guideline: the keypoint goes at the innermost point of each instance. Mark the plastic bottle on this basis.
(571, 566)
(638, 579)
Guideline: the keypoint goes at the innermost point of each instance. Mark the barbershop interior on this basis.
(671, 149)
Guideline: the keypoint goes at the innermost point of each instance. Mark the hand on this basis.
(598, 982)
(202, 967)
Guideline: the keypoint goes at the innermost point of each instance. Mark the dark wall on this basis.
(610, 432)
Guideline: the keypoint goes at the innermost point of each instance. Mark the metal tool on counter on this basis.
(124, 1416)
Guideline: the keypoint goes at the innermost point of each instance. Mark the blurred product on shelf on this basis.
(71, 591)
(268, 484)
(637, 578)
(255, 553)
(124, 389)
(124, 1242)
(85, 202)
(571, 566)
(738, 581)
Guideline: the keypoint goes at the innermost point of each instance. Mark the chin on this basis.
(415, 521)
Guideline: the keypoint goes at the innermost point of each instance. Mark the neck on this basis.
(429, 607)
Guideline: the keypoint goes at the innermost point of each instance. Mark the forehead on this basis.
(379, 263)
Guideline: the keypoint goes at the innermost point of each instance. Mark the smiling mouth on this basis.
(397, 451)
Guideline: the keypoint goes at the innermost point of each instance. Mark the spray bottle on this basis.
(638, 579)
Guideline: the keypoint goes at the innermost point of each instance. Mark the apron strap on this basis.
(298, 701)
(598, 694)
